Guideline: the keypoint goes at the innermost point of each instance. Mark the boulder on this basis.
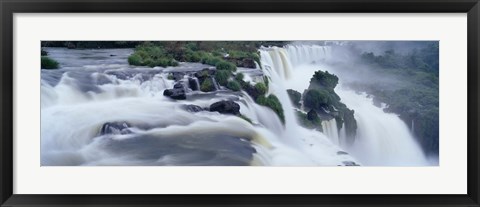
(175, 93)
(193, 84)
(192, 108)
(178, 85)
(115, 128)
(226, 107)
(178, 76)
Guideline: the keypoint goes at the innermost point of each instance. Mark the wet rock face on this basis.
(178, 92)
(226, 107)
(192, 108)
(115, 128)
(193, 84)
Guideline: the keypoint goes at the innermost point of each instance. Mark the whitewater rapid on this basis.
(95, 87)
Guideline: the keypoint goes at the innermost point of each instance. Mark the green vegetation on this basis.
(222, 76)
(239, 77)
(151, 55)
(224, 55)
(48, 63)
(309, 120)
(317, 99)
(323, 80)
(272, 102)
(207, 85)
(321, 98)
(234, 85)
(224, 65)
(295, 97)
(261, 88)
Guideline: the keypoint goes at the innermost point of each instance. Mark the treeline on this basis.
(416, 100)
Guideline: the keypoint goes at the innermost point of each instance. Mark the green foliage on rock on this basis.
(48, 63)
(261, 88)
(295, 97)
(323, 80)
(224, 65)
(222, 76)
(273, 103)
(309, 120)
(239, 77)
(207, 85)
(317, 99)
(151, 55)
(234, 85)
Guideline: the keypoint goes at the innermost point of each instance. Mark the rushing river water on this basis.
(98, 87)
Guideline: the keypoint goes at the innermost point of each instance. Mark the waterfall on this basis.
(330, 129)
(77, 101)
(382, 138)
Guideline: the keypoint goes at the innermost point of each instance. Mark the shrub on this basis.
(48, 63)
(222, 76)
(261, 88)
(151, 55)
(233, 85)
(239, 77)
(211, 60)
(135, 59)
(273, 103)
(207, 85)
(224, 65)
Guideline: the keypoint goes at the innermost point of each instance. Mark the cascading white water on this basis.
(78, 100)
(382, 138)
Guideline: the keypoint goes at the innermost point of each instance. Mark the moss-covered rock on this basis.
(207, 85)
(295, 97)
(49, 63)
(273, 103)
(234, 85)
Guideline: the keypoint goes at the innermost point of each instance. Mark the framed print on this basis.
(211, 103)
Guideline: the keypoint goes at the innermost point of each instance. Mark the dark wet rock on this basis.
(226, 107)
(178, 85)
(312, 115)
(115, 128)
(350, 163)
(176, 93)
(192, 108)
(342, 153)
(178, 76)
(324, 115)
(193, 84)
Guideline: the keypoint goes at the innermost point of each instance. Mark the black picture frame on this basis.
(10, 7)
